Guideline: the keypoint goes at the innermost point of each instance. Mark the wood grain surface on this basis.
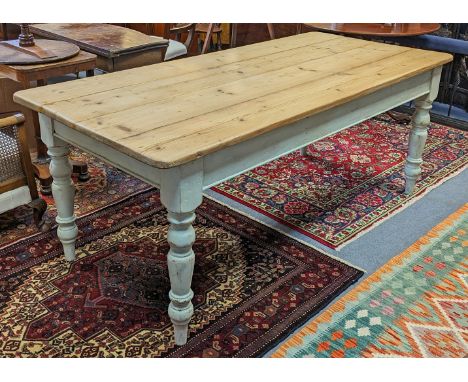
(44, 51)
(102, 39)
(378, 29)
(172, 113)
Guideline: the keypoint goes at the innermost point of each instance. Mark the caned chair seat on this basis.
(17, 184)
(10, 166)
(10, 159)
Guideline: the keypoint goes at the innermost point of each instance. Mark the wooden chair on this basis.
(271, 32)
(209, 29)
(17, 184)
(174, 33)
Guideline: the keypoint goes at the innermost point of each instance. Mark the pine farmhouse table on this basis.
(189, 124)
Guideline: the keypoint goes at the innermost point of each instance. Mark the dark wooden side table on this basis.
(376, 29)
(117, 48)
(25, 74)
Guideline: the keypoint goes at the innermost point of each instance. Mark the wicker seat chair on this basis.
(17, 184)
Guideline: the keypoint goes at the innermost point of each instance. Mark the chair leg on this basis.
(80, 168)
(218, 41)
(39, 207)
(271, 31)
(233, 35)
(42, 173)
(208, 37)
(457, 63)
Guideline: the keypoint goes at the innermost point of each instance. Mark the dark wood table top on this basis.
(101, 39)
(81, 58)
(388, 30)
(44, 51)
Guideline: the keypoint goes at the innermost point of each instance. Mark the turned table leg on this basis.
(181, 195)
(63, 189)
(63, 192)
(417, 139)
(303, 151)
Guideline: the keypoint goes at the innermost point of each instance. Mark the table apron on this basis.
(234, 160)
(108, 154)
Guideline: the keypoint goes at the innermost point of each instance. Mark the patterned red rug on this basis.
(350, 181)
(107, 185)
(252, 287)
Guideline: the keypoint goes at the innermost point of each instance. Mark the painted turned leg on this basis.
(181, 194)
(417, 140)
(63, 192)
(180, 261)
(62, 186)
(304, 151)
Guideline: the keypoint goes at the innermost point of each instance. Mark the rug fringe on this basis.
(365, 285)
(409, 203)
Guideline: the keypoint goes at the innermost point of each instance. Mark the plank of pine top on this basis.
(168, 114)
(172, 69)
(108, 102)
(206, 100)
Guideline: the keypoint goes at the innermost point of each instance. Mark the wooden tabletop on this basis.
(382, 29)
(44, 51)
(102, 39)
(171, 113)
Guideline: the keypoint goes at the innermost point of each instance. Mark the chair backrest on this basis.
(177, 30)
(7, 106)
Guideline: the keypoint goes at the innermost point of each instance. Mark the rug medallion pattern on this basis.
(251, 284)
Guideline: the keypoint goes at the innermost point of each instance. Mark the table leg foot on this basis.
(303, 151)
(63, 191)
(417, 139)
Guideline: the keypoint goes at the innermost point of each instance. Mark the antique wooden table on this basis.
(377, 29)
(117, 48)
(187, 125)
(25, 74)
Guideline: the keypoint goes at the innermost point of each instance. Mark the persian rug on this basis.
(350, 181)
(252, 286)
(414, 306)
(106, 185)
